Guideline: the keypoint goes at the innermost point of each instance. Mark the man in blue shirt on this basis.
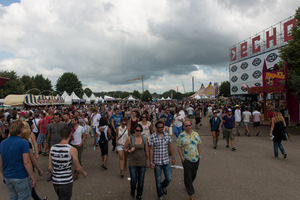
(15, 164)
(169, 123)
(230, 125)
(115, 121)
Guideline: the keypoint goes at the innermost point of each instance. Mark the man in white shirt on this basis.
(238, 118)
(95, 118)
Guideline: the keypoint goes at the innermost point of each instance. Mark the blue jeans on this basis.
(223, 130)
(177, 130)
(277, 144)
(19, 188)
(137, 175)
(168, 177)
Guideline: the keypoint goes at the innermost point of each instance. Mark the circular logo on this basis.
(257, 84)
(256, 74)
(233, 68)
(271, 57)
(244, 65)
(244, 76)
(244, 89)
(234, 89)
(234, 79)
(256, 62)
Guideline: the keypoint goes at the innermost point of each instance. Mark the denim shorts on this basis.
(19, 188)
(120, 147)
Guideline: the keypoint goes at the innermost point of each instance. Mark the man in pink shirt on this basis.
(256, 120)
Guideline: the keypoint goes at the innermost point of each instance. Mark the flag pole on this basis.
(143, 84)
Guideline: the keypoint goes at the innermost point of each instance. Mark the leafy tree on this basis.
(125, 94)
(136, 94)
(69, 82)
(224, 89)
(42, 83)
(13, 86)
(88, 92)
(291, 54)
(146, 96)
(29, 84)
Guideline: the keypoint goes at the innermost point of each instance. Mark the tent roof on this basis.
(74, 96)
(210, 90)
(200, 91)
(92, 97)
(16, 100)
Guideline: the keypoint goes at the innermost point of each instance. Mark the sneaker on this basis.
(161, 198)
(45, 198)
(227, 146)
(114, 148)
(249, 135)
(164, 191)
(233, 149)
(138, 198)
(215, 147)
(257, 133)
(284, 156)
(40, 152)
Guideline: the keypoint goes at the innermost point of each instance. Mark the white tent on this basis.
(75, 98)
(64, 95)
(100, 100)
(203, 96)
(162, 98)
(108, 98)
(197, 97)
(86, 98)
(68, 100)
(169, 98)
(93, 99)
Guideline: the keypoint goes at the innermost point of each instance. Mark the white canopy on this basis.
(203, 96)
(92, 97)
(108, 98)
(68, 100)
(169, 98)
(162, 98)
(86, 98)
(64, 95)
(197, 97)
(100, 99)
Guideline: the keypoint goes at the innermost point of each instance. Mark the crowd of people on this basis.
(141, 134)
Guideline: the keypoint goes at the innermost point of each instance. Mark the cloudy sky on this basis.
(106, 42)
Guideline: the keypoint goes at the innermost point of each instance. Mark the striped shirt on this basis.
(62, 164)
(160, 148)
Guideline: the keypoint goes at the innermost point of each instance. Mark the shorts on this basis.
(120, 147)
(198, 120)
(229, 133)
(40, 139)
(256, 124)
(246, 123)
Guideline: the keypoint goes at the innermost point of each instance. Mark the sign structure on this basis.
(248, 56)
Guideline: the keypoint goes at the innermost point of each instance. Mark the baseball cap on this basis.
(229, 110)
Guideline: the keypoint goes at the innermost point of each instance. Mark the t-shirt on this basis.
(54, 129)
(190, 111)
(246, 115)
(229, 121)
(169, 118)
(237, 115)
(95, 120)
(177, 119)
(117, 119)
(12, 150)
(256, 116)
(77, 135)
(188, 144)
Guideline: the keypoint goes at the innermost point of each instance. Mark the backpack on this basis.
(132, 141)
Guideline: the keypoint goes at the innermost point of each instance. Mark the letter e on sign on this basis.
(233, 54)
(254, 48)
(244, 50)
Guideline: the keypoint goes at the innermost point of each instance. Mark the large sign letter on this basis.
(244, 50)
(233, 53)
(287, 35)
(273, 37)
(254, 48)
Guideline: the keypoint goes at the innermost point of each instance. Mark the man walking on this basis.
(229, 123)
(238, 119)
(60, 164)
(256, 120)
(159, 159)
(188, 144)
(169, 123)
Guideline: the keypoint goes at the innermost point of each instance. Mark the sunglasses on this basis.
(144, 117)
(187, 125)
(160, 127)
(138, 130)
(123, 123)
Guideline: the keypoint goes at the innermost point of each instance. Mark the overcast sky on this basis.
(106, 42)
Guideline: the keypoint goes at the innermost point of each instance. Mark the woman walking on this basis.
(146, 124)
(177, 123)
(277, 126)
(133, 121)
(122, 135)
(138, 156)
(215, 124)
(103, 131)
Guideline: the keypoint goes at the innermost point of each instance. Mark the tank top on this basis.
(138, 157)
(133, 123)
(62, 164)
(146, 129)
(123, 139)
